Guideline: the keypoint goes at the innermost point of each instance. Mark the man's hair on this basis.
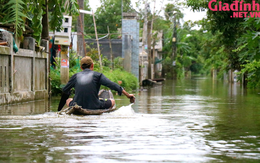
(86, 62)
(84, 66)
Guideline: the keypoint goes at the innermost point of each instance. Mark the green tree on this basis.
(173, 15)
(88, 21)
(11, 12)
(239, 38)
(31, 13)
(172, 10)
(110, 14)
(249, 52)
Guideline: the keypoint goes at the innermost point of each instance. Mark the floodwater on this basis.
(197, 120)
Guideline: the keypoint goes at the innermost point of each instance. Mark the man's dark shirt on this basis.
(87, 84)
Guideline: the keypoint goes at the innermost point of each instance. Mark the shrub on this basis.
(55, 81)
(129, 81)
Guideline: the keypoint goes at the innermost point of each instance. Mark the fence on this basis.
(23, 75)
(116, 45)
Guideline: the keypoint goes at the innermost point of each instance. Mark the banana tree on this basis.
(30, 13)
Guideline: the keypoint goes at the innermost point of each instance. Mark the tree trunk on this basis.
(45, 22)
(149, 40)
(80, 31)
(245, 80)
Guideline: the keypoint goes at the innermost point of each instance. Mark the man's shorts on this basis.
(104, 104)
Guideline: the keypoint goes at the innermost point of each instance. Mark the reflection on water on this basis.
(25, 108)
(196, 120)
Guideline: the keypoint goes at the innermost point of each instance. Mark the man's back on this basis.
(87, 84)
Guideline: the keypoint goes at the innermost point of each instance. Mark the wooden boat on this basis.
(78, 110)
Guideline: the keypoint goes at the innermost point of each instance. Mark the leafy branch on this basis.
(16, 15)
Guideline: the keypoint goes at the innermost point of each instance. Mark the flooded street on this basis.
(197, 120)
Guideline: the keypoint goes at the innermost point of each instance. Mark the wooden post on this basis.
(64, 69)
(12, 69)
(153, 58)
(33, 72)
(110, 46)
(99, 55)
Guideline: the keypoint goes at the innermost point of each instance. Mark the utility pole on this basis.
(174, 44)
(63, 38)
(174, 39)
(80, 30)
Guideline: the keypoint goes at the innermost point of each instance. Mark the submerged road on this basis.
(197, 120)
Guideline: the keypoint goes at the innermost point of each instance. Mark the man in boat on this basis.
(87, 84)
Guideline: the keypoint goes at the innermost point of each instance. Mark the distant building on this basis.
(143, 61)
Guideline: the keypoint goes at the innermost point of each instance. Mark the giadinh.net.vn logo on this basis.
(240, 8)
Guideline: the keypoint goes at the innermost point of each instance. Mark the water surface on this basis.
(198, 120)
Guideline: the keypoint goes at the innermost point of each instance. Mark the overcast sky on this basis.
(188, 14)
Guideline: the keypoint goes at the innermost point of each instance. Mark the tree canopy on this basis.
(238, 37)
(31, 12)
(110, 14)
